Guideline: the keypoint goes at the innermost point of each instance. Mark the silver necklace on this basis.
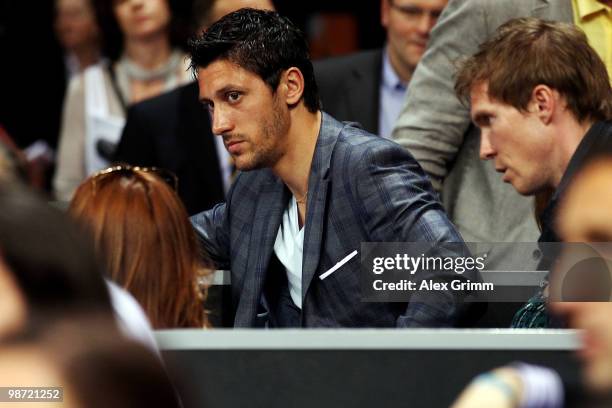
(127, 71)
(134, 71)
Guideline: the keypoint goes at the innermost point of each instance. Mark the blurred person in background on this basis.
(369, 87)
(142, 234)
(48, 269)
(172, 131)
(90, 361)
(27, 364)
(26, 30)
(12, 303)
(13, 163)
(207, 12)
(584, 216)
(46, 260)
(78, 33)
(139, 38)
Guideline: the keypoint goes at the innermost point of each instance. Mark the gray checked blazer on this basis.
(362, 188)
(436, 128)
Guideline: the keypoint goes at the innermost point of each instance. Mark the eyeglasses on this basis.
(415, 12)
(166, 175)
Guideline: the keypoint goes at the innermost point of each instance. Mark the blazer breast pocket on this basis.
(343, 267)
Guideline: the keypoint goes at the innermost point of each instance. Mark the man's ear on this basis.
(544, 102)
(293, 85)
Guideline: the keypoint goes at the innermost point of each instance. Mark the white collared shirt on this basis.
(392, 95)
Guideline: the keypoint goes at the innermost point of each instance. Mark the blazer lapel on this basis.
(272, 201)
(318, 185)
(314, 231)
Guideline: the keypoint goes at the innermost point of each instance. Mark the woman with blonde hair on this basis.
(143, 236)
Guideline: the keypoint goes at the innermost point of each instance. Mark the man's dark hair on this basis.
(526, 52)
(262, 42)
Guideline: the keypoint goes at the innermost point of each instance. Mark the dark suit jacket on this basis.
(349, 87)
(362, 188)
(173, 131)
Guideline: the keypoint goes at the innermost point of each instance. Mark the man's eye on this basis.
(233, 96)
(483, 120)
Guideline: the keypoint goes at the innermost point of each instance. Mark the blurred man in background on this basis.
(369, 87)
(78, 33)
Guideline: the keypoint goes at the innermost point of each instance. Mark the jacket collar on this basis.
(326, 141)
(271, 204)
(318, 183)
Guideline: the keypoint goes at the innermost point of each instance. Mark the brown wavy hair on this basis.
(142, 234)
(526, 52)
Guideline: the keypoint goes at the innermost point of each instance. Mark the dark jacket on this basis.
(172, 131)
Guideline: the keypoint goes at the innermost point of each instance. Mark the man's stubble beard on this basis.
(274, 130)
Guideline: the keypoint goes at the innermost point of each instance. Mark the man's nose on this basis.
(221, 122)
(426, 23)
(487, 152)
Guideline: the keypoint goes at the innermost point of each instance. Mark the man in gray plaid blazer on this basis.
(311, 189)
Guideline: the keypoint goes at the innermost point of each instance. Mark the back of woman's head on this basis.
(142, 233)
(53, 266)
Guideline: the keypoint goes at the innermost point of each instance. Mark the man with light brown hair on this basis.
(542, 99)
(436, 128)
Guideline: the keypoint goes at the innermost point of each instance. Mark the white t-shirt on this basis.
(288, 248)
